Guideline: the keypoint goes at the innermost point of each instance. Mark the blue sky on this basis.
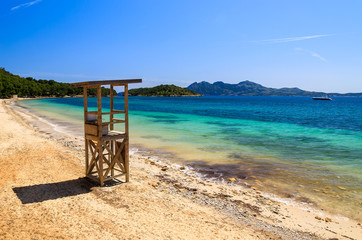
(314, 45)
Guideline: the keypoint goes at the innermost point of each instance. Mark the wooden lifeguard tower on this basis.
(106, 150)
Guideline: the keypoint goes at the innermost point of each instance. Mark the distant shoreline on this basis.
(182, 96)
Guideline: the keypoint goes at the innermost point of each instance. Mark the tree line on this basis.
(11, 84)
(163, 90)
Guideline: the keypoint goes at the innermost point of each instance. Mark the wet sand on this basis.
(45, 196)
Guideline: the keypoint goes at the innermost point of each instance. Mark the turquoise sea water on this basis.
(293, 146)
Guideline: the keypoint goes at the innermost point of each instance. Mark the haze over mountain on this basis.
(248, 88)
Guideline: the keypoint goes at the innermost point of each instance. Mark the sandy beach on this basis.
(45, 196)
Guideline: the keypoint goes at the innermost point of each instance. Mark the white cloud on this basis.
(25, 5)
(293, 39)
(313, 54)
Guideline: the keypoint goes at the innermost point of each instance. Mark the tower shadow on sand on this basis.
(52, 191)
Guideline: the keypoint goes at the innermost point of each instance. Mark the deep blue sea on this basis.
(293, 146)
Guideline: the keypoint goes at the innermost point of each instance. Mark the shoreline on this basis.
(248, 206)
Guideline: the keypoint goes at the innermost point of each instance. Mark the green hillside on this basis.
(11, 84)
(163, 91)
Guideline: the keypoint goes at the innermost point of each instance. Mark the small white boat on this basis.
(322, 98)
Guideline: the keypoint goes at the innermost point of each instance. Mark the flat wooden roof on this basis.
(105, 82)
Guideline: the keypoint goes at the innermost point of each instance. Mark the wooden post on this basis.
(111, 108)
(126, 159)
(111, 126)
(100, 143)
(85, 100)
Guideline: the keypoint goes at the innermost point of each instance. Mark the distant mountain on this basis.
(163, 91)
(248, 88)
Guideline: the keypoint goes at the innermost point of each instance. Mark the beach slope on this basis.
(43, 196)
